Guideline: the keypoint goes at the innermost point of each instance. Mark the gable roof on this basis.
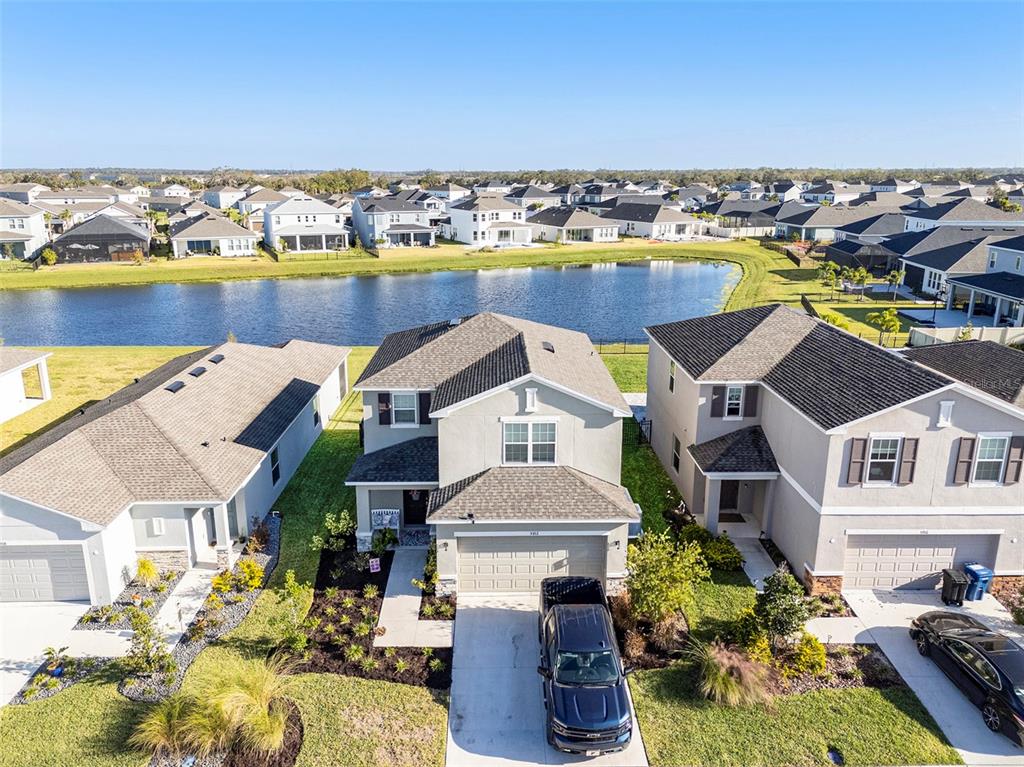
(990, 367)
(966, 209)
(738, 452)
(302, 203)
(881, 224)
(386, 205)
(265, 195)
(207, 225)
(646, 213)
(106, 225)
(965, 256)
(825, 373)
(10, 207)
(485, 202)
(485, 351)
(566, 216)
(147, 444)
(530, 191)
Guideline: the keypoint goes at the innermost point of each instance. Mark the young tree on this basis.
(662, 574)
(895, 278)
(886, 321)
(828, 273)
(147, 653)
(781, 609)
(49, 256)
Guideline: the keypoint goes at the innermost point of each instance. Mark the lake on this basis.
(610, 302)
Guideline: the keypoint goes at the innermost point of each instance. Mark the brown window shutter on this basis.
(908, 461)
(424, 407)
(717, 401)
(1014, 461)
(964, 460)
(384, 408)
(858, 459)
(750, 401)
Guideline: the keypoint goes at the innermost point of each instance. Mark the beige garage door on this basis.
(43, 574)
(911, 561)
(518, 563)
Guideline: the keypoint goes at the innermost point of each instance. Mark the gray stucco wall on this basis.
(376, 436)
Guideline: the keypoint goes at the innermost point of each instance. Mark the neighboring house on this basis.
(369, 191)
(26, 192)
(820, 222)
(60, 218)
(387, 222)
(163, 204)
(252, 206)
(223, 197)
(894, 185)
(206, 234)
(126, 211)
(22, 230)
(998, 292)
(102, 238)
(533, 197)
(866, 469)
(403, 185)
(449, 192)
(503, 437)
(291, 191)
(304, 223)
(171, 190)
(873, 229)
(783, 191)
(596, 193)
(888, 200)
(745, 218)
(434, 206)
(178, 467)
(655, 222)
(692, 197)
(91, 194)
(492, 187)
(191, 210)
(568, 224)
(950, 252)
(24, 381)
(833, 192)
(489, 220)
(963, 212)
(568, 193)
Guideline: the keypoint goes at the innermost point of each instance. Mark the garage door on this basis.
(911, 561)
(42, 574)
(518, 563)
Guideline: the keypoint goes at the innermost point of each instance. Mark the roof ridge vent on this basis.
(175, 386)
(197, 371)
(454, 322)
(216, 359)
(548, 346)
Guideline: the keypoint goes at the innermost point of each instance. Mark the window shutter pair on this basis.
(384, 408)
(717, 401)
(857, 467)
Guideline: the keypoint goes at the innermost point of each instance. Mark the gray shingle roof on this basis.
(412, 461)
(484, 351)
(741, 451)
(966, 209)
(827, 374)
(485, 202)
(966, 256)
(547, 493)
(11, 358)
(883, 224)
(1006, 284)
(993, 368)
(566, 216)
(106, 225)
(206, 225)
(636, 211)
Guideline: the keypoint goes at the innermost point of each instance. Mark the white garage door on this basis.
(43, 574)
(911, 561)
(518, 563)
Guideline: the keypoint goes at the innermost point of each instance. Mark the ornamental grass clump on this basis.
(727, 676)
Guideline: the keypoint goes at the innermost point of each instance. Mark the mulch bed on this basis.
(339, 606)
(651, 658)
(846, 666)
(441, 608)
(832, 606)
(286, 757)
(773, 551)
(114, 616)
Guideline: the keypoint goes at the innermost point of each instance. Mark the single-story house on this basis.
(568, 224)
(656, 222)
(207, 234)
(24, 381)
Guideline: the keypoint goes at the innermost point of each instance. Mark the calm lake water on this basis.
(607, 301)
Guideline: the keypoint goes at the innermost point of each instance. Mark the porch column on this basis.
(44, 379)
(220, 525)
(712, 500)
(323, 242)
(364, 527)
(995, 314)
(768, 508)
(1020, 316)
(970, 305)
(950, 291)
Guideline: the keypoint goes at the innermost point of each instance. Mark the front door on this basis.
(414, 507)
(729, 498)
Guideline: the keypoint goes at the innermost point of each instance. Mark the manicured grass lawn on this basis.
(81, 375)
(628, 370)
(648, 484)
(719, 602)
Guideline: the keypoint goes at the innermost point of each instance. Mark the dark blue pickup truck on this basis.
(584, 681)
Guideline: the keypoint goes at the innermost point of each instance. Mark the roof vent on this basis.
(454, 323)
(216, 359)
(175, 386)
(196, 372)
(548, 346)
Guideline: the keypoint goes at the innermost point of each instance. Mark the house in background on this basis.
(434, 206)
(26, 192)
(222, 197)
(24, 381)
(998, 292)
(568, 224)
(655, 222)
(387, 222)
(768, 425)
(102, 238)
(929, 258)
(403, 185)
(252, 206)
(492, 187)
(211, 235)
(170, 190)
(22, 230)
(533, 197)
(178, 467)
(488, 220)
(504, 438)
(90, 194)
(449, 192)
(963, 212)
(304, 224)
(894, 185)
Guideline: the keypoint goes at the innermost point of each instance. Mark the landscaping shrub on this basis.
(249, 576)
(334, 535)
(222, 582)
(781, 608)
(662, 575)
(162, 729)
(146, 573)
(727, 676)
(1017, 607)
(720, 553)
(635, 645)
(147, 653)
(808, 657)
(669, 635)
(289, 622)
(622, 611)
(760, 649)
(382, 541)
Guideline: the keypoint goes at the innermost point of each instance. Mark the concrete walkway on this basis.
(756, 562)
(841, 630)
(400, 611)
(184, 602)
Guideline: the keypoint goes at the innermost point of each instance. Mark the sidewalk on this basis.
(756, 562)
(399, 613)
(184, 602)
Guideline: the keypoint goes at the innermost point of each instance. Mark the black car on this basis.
(987, 666)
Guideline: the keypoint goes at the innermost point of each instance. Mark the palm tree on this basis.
(895, 279)
(886, 321)
(828, 273)
(65, 216)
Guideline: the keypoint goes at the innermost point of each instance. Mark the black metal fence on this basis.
(636, 432)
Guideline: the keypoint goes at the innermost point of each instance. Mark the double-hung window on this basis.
(275, 467)
(671, 375)
(403, 407)
(990, 459)
(529, 442)
(734, 402)
(676, 449)
(883, 453)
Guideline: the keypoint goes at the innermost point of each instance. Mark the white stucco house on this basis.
(23, 192)
(24, 381)
(22, 229)
(488, 220)
(566, 224)
(387, 222)
(656, 222)
(208, 234)
(304, 223)
(222, 197)
(178, 467)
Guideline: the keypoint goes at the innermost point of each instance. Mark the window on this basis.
(734, 402)
(992, 261)
(275, 467)
(988, 466)
(316, 412)
(671, 375)
(529, 442)
(403, 407)
(882, 456)
(676, 447)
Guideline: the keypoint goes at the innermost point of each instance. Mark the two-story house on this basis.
(387, 222)
(503, 438)
(998, 291)
(866, 468)
(488, 220)
(22, 229)
(303, 223)
(222, 197)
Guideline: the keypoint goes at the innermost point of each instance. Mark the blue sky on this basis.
(396, 86)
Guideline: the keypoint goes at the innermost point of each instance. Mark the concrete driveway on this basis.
(496, 714)
(28, 628)
(887, 616)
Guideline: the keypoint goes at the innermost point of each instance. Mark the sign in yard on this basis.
(375, 565)
(381, 519)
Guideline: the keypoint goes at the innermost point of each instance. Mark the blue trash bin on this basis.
(980, 578)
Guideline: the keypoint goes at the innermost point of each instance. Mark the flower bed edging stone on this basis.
(157, 687)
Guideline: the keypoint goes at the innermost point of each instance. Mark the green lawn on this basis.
(648, 484)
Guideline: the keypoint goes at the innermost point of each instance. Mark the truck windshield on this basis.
(586, 667)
